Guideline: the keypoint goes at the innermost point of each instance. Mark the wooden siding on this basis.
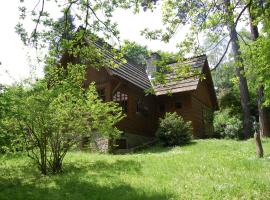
(201, 104)
(101, 79)
(140, 123)
(197, 118)
(202, 94)
(193, 104)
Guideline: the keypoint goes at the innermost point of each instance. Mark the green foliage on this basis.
(227, 124)
(10, 132)
(51, 120)
(204, 18)
(84, 13)
(137, 53)
(228, 98)
(173, 130)
(57, 110)
(208, 169)
(223, 77)
(258, 63)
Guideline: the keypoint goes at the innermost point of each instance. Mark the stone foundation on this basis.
(97, 143)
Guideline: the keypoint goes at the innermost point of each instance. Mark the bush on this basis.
(227, 125)
(173, 130)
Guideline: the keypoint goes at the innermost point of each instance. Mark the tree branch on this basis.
(108, 28)
(227, 47)
(223, 55)
(243, 39)
(34, 33)
(87, 15)
(66, 14)
(242, 11)
(36, 5)
(220, 41)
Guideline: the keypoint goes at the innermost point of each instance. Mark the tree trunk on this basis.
(244, 94)
(258, 142)
(263, 121)
(43, 159)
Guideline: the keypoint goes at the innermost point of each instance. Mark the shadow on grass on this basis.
(159, 148)
(92, 181)
(104, 168)
(75, 189)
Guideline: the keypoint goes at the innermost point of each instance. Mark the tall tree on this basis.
(240, 71)
(263, 120)
(211, 18)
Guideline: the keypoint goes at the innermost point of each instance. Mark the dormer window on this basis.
(122, 100)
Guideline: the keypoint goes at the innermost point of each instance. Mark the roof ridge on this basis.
(192, 57)
(126, 70)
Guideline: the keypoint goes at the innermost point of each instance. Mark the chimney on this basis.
(150, 64)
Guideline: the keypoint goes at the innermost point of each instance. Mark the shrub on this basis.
(173, 130)
(52, 120)
(227, 125)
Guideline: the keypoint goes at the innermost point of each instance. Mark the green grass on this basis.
(206, 169)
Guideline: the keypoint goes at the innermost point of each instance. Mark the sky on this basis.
(12, 53)
(15, 58)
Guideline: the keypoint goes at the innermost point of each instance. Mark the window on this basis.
(141, 108)
(178, 105)
(101, 94)
(122, 99)
(162, 108)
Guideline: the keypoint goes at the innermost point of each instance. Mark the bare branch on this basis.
(66, 14)
(34, 33)
(215, 46)
(240, 14)
(36, 5)
(108, 28)
(223, 55)
(243, 39)
(235, 24)
(87, 15)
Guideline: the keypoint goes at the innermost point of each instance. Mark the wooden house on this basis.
(192, 98)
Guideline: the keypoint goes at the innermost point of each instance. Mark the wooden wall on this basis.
(140, 123)
(197, 117)
(102, 80)
(146, 123)
(201, 103)
(191, 110)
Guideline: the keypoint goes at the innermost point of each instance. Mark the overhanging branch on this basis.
(223, 55)
(34, 33)
(108, 28)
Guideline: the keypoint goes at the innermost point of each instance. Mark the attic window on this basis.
(122, 99)
(178, 105)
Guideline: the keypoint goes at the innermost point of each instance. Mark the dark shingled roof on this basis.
(137, 75)
(187, 84)
(128, 71)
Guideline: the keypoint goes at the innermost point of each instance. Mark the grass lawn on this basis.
(206, 169)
